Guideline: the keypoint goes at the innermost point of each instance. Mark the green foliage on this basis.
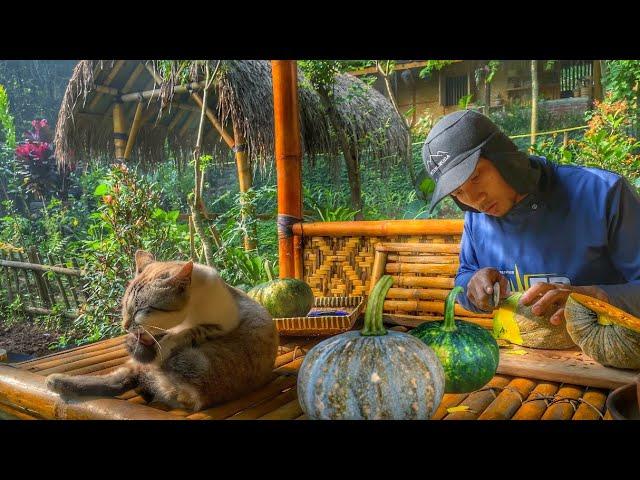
(434, 66)
(6, 120)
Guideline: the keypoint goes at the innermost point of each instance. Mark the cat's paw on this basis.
(57, 382)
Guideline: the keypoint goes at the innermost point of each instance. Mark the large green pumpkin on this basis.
(517, 324)
(468, 352)
(603, 332)
(283, 297)
(371, 374)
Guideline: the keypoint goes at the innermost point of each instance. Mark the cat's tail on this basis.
(121, 380)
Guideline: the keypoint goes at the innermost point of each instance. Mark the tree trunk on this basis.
(245, 181)
(408, 157)
(534, 101)
(487, 97)
(350, 155)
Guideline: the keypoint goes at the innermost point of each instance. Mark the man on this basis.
(531, 225)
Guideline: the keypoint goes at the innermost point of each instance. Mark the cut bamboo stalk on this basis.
(155, 93)
(288, 411)
(418, 293)
(535, 408)
(39, 267)
(82, 355)
(440, 259)
(99, 367)
(102, 345)
(413, 321)
(448, 400)
(42, 289)
(269, 406)
(93, 360)
(480, 399)
(563, 410)
(421, 268)
(290, 368)
(60, 286)
(380, 228)
(597, 399)
(18, 412)
(133, 132)
(379, 262)
(28, 391)
(509, 400)
(410, 247)
(427, 282)
(275, 387)
(426, 306)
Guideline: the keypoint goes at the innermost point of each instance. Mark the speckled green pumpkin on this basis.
(284, 297)
(607, 343)
(517, 324)
(468, 352)
(371, 374)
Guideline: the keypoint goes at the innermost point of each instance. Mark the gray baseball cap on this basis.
(453, 147)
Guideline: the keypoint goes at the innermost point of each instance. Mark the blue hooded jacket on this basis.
(581, 227)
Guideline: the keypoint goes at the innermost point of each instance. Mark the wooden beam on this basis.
(134, 76)
(288, 152)
(210, 115)
(112, 74)
(147, 94)
(379, 228)
(398, 67)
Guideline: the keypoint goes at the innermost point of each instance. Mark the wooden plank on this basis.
(103, 344)
(102, 366)
(67, 367)
(563, 366)
(269, 406)
(73, 358)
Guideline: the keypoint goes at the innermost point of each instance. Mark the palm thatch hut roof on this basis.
(241, 96)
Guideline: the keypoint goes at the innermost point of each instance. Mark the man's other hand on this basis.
(549, 299)
(480, 288)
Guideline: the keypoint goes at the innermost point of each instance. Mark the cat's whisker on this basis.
(154, 339)
(157, 328)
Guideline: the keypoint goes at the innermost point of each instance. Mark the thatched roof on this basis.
(242, 94)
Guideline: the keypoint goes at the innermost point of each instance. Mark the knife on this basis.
(495, 301)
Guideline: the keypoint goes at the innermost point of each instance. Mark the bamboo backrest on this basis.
(423, 275)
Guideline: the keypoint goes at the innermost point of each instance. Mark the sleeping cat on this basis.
(193, 340)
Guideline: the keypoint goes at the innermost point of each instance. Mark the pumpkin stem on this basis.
(267, 267)
(373, 316)
(449, 312)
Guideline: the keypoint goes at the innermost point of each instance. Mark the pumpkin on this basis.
(607, 334)
(283, 297)
(371, 374)
(468, 352)
(517, 324)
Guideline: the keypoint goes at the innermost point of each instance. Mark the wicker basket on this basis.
(325, 325)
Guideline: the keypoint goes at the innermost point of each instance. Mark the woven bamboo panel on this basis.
(342, 266)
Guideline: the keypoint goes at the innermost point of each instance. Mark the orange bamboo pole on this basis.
(288, 153)
(28, 391)
(380, 228)
(133, 132)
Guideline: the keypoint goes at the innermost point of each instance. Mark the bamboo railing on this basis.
(42, 288)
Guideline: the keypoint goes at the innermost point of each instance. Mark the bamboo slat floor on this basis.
(503, 398)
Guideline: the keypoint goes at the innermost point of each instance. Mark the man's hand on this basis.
(549, 299)
(480, 288)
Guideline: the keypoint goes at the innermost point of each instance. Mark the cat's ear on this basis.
(183, 277)
(142, 260)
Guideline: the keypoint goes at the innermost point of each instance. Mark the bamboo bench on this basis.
(336, 259)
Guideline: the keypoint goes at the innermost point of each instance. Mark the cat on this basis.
(194, 340)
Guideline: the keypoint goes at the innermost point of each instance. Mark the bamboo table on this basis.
(23, 393)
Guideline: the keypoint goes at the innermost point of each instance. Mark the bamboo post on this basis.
(597, 81)
(565, 140)
(119, 135)
(245, 180)
(534, 100)
(133, 132)
(288, 153)
(32, 292)
(9, 289)
(60, 286)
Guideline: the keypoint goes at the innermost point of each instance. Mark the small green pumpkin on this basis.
(517, 324)
(283, 297)
(371, 374)
(607, 334)
(468, 352)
